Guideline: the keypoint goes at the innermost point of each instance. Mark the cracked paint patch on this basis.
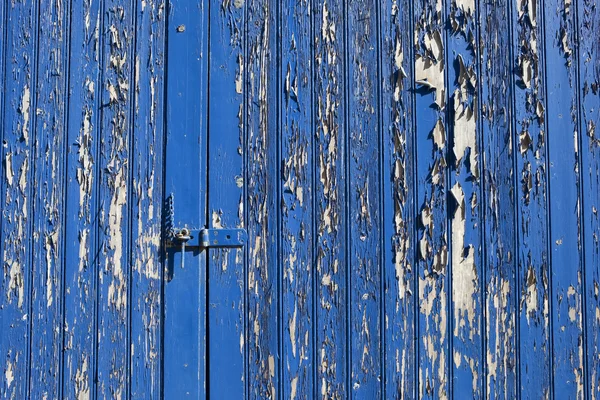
(464, 274)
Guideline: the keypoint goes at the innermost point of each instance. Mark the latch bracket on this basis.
(202, 237)
(223, 237)
(207, 238)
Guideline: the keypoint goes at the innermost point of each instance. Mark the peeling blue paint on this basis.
(419, 181)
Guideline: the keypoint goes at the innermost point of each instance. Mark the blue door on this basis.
(211, 296)
(418, 192)
(299, 199)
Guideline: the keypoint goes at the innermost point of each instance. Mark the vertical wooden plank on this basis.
(588, 17)
(146, 199)
(464, 209)
(262, 170)
(3, 30)
(364, 198)
(530, 183)
(330, 198)
(83, 137)
(184, 289)
(3, 170)
(226, 305)
(114, 186)
(297, 197)
(16, 196)
(48, 207)
(431, 174)
(498, 210)
(565, 205)
(398, 180)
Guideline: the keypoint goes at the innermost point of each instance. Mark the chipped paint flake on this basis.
(464, 276)
(439, 134)
(292, 328)
(531, 299)
(431, 74)
(8, 167)
(81, 381)
(8, 374)
(468, 6)
(24, 110)
(117, 295)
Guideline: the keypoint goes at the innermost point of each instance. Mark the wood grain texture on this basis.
(262, 168)
(530, 183)
(298, 173)
(588, 51)
(146, 202)
(499, 198)
(398, 214)
(184, 290)
(226, 203)
(114, 197)
(83, 136)
(48, 207)
(419, 182)
(332, 325)
(19, 143)
(430, 63)
(564, 142)
(364, 198)
(465, 202)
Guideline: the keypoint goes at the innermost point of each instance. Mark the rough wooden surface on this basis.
(419, 181)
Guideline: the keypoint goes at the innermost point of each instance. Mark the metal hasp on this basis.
(205, 238)
(223, 237)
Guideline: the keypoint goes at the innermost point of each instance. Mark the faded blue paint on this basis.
(588, 20)
(79, 268)
(530, 183)
(500, 295)
(184, 291)
(227, 304)
(419, 181)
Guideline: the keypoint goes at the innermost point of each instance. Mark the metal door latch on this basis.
(201, 238)
(207, 238)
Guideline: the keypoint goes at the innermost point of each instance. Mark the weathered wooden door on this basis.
(418, 181)
(207, 302)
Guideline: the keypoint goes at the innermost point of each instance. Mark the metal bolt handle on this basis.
(183, 236)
